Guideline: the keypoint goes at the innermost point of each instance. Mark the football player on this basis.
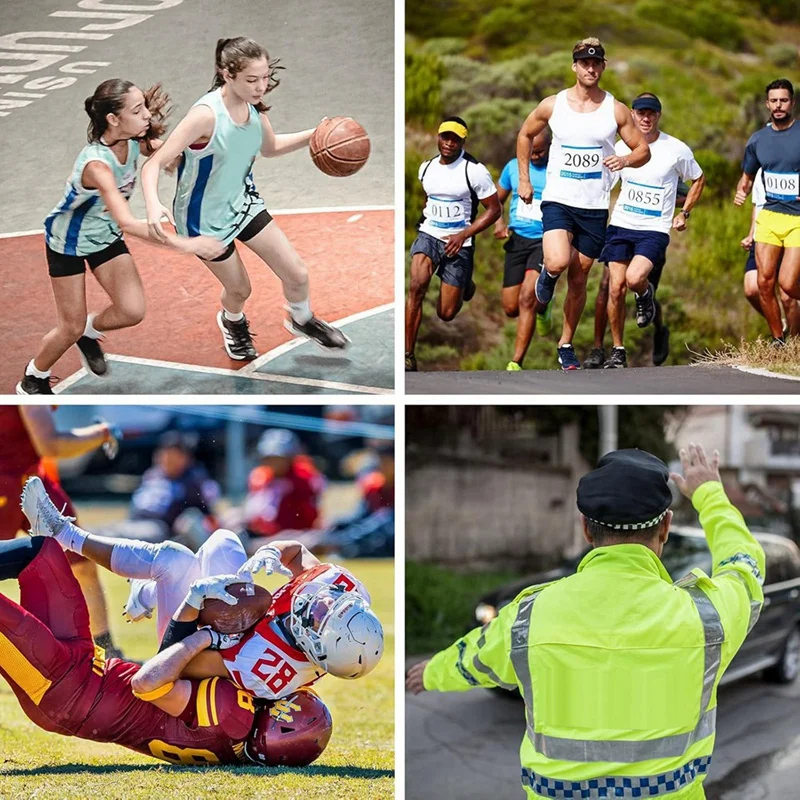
(65, 685)
(319, 622)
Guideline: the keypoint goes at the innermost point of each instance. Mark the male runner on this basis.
(776, 150)
(585, 121)
(523, 261)
(454, 183)
(638, 236)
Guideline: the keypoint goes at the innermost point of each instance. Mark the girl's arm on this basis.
(279, 144)
(150, 146)
(196, 126)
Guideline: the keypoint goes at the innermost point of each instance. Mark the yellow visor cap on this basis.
(453, 127)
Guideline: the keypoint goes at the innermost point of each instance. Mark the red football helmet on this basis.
(290, 732)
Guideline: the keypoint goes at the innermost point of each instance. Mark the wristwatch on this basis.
(685, 213)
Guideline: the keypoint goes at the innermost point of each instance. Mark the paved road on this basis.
(339, 59)
(642, 380)
(466, 745)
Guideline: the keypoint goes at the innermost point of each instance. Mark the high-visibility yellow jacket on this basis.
(618, 665)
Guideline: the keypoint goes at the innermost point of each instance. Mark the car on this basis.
(773, 646)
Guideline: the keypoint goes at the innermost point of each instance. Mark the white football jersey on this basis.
(265, 663)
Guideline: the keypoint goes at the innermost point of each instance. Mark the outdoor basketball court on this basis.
(342, 227)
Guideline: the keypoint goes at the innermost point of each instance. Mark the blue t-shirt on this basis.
(778, 155)
(529, 224)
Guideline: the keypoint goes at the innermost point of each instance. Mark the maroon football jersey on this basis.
(17, 453)
(211, 730)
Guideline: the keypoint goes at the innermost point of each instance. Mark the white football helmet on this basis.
(336, 630)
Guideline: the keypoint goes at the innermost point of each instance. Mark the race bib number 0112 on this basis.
(782, 185)
(640, 198)
(443, 213)
(581, 163)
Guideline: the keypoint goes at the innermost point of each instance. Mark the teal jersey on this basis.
(216, 195)
(80, 224)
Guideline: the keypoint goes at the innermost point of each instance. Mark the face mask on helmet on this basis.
(336, 630)
(291, 732)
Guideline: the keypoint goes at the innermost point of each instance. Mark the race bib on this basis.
(443, 213)
(531, 212)
(782, 185)
(581, 163)
(641, 198)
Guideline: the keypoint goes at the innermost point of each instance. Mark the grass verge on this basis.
(757, 354)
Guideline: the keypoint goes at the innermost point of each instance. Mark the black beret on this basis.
(628, 490)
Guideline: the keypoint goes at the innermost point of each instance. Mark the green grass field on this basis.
(358, 762)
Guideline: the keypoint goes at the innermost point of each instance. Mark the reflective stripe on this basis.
(465, 674)
(621, 750)
(479, 666)
(617, 787)
(755, 605)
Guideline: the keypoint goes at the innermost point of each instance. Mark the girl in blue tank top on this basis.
(216, 144)
(89, 223)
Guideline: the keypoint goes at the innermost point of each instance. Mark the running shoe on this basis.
(30, 384)
(237, 338)
(567, 357)
(512, 366)
(469, 292)
(596, 359)
(545, 286)
(92, 355)
(779, 344)
(544, 320)
(316, 330)
(645, 307)
(411, 362)
(660, 345)
(135, 609)
(617, 360)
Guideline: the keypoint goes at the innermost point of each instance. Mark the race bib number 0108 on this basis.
(782, 185)
(581, 163)
(445, 213)
(640, 198)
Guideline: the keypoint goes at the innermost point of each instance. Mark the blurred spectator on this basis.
(175, 499)
(285, 489)
(336, 447)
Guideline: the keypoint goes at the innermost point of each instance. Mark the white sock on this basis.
(300, 312)
(37, 373)
(231, 317)
(90, 330)
(72, 538)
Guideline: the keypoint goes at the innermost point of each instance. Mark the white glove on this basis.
(211, 589)
(221, 641)
(266, 558)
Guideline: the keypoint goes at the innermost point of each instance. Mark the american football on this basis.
(253, 603)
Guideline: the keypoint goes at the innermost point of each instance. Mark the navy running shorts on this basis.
(522, 254)
(587, 225)
(750, 264)
(453, 270)
(622, 244)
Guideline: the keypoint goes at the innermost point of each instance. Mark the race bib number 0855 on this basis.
(581, 163)
(640, 198)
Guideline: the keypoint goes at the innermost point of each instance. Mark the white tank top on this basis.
(576, 176)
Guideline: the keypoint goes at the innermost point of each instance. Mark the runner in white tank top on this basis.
(217, 142)
(585, 121)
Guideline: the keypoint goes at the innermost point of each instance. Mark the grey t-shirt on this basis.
(777, 153)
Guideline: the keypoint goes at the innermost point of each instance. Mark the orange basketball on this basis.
(339, 146)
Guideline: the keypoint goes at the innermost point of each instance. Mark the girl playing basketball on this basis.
(218, 141)
(88, 226)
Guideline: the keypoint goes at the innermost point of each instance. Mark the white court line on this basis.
(766, 373)
(69, 380)
(297, 341)
(281, 212)
(233, 373)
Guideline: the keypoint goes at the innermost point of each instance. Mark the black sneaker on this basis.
(237, 338)
(645, 307)
(660, 346)
(411, 362)
(469, 292)
(92, 355)
(320, 332)
(30, 384)
(779, 344)
(617, 360)
(596, 359)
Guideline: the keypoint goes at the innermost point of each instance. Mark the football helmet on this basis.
(336, 630)
(291, 732)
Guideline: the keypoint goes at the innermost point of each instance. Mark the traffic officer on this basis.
(618, 665)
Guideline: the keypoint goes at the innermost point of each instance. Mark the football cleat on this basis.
(44, 517)
(135, 609)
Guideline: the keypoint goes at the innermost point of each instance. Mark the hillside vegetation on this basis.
(709, 62)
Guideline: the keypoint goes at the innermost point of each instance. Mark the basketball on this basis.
(254, 601)
(339, 146)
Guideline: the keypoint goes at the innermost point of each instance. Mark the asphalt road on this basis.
(339, 59)
(642, 380)
(466, 745)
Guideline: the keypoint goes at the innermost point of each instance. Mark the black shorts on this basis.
(255, 226)
(587, 225)
(453, 270)
(522, 254)
(62, 266)
(750, 264)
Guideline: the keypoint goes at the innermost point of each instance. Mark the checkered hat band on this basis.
(631, 526)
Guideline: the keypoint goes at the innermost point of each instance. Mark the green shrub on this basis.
(424, 74)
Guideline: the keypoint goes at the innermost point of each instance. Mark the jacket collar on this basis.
(630, 558)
